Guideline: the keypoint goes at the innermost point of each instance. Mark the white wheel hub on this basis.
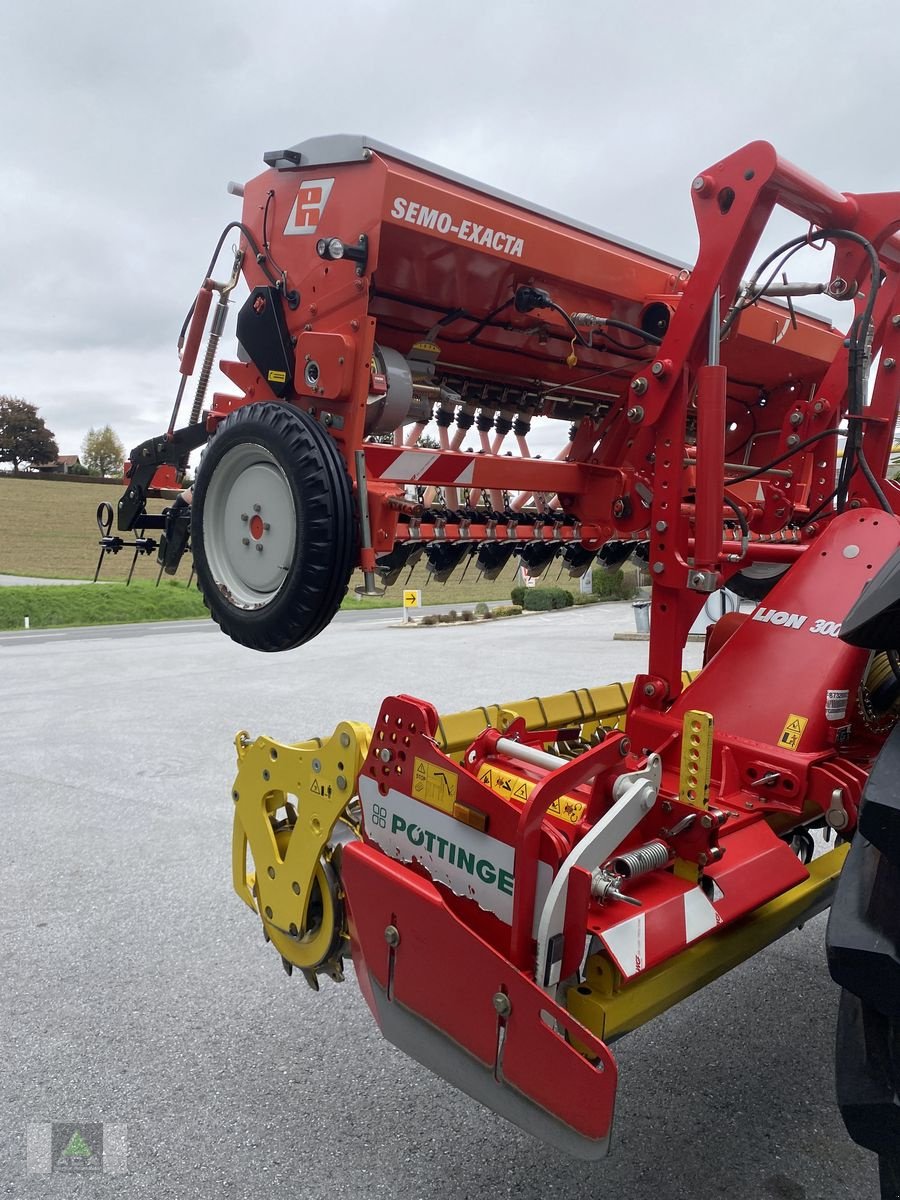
(249, 526)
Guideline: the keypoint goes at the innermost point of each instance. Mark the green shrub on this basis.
(507, 610)
(482, 609)
(467, 615)
(429, 620)
(580, 600)
(541, 599)
(487, 614)
(518, 595)
(611, 585)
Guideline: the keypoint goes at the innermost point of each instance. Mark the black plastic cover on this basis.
(874, 620)
(263, 332)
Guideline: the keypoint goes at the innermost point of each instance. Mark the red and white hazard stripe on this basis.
(653, 936)
(420, 466)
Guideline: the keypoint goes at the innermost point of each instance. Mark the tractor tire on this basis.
(755, 583)
(273, 527)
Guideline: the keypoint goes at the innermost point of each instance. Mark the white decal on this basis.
(469, 862)
(826, 628)
(411, 464)
(699, 915)
(836, 700)
(414, 213)
(627, 943)
(309, 205)
(774, 617)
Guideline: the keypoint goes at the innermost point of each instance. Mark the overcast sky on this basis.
(123, 123)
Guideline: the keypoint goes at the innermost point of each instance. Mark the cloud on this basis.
(122, 126)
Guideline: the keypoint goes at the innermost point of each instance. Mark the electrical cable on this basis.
(741, 516)
(265, 240)
(816, 437)
(260, 258)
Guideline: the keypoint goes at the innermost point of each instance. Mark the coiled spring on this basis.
(643, 859)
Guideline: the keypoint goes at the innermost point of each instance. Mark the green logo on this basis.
(78, 1147)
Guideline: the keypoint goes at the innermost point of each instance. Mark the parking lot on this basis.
(138, 990)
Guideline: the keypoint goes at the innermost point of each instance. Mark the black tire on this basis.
(756, 582)
(275, 454)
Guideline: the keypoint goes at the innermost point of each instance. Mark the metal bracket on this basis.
(634, 794)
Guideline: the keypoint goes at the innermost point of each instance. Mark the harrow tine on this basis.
(99, 564)
(133, 565)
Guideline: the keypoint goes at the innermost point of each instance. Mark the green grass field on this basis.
(98, 604)
(48, 530)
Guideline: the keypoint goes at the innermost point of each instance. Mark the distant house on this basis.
(66, 464)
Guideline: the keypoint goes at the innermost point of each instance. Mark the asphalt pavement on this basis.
(138, 991)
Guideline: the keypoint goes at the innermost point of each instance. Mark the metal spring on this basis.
(640, 861)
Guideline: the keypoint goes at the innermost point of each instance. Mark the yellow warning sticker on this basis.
(277, 377)
(514, 787)
(434, 785)
(793, 731)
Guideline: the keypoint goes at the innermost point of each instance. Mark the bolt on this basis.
(295, 888)
(819, 406)
(392, 935)
(793, 439)
(259, 547)
(697, 579)
(502, 1004)
(635, 415)
(266, 526)
(666, 806)
(245, 541)
(890, 363)
(658, 568)
(702, 859)
(271, 872)
(316, 765)
(661, 526)
(649, 689)
(895, 320)
(245, 517)
(384, 754)
(345, 740)
(796, 418)
(658, 369)
(256, 508)
(699, 184)
(624, 746)
(639, 385)
(618, 507)
(748, 804)
(342, 783)
(706, 821)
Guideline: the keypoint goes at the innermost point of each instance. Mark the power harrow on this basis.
(522, 884)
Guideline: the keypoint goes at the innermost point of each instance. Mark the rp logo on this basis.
(309, 206)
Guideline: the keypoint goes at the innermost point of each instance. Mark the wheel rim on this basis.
(250, 526)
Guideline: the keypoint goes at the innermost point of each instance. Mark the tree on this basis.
(102, 452)
(24, 438)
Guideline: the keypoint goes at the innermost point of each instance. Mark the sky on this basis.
(121, 125)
